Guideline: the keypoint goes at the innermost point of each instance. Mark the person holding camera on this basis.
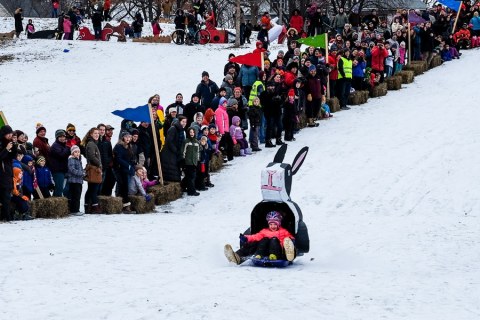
(379, 54)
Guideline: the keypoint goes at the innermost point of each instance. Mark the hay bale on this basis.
(356, 98)
(366, 95)
(394, 83)
(407, 76)
(110, 205)
(140, 205)
(418, 67)
(216, 162)
(167, 193)
(54, 207)
(334, 104)
(236, 150)
(380, 90)
(436, 61)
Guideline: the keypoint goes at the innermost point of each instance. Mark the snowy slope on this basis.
(389, 191)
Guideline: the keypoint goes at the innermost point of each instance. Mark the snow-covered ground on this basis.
(389, 191)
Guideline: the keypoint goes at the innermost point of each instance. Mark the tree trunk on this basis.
(237, 24)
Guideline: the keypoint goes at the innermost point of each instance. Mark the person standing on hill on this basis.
(18, 22)
(8, 152)
(206, 90)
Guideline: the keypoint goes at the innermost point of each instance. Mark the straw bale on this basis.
(54, 207)
(110, 205)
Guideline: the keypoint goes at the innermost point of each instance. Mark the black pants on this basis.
(75, 195)
(312, 108)
(343, 90)
(122, 181)
(226, 145)
(200, 176)
(189, 179)
(288, 125)
(274, 126)
(108, 182)
(264, 247)
(5, 201)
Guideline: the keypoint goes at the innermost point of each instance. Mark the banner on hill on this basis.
(3, 120)
(251, 59)
(415, 18)
(138, 114)
(452, 4)
(319, 41)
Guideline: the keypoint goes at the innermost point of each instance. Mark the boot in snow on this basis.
(289, 247)
(269, 144)
(126, 208)
(242, 153)
(248, 151)
(231, 255)
(279, 141)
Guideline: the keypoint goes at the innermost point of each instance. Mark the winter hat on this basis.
(70, 127)
(204, 127)
(235, 119)
(237, 89)
(292, 65)
(211, 125)
(124, 133)
(195, 95)
(266, 62)
(26, 159)
(312, 68)
(6, 130)
(281, 52)
(74, 148)
(222, 101)
(333, 48)
(274, 217)
(172, 110)
(228, 77)
(40, 159)
(60, 133)
(138, 167)
(232, 101)
(39, 127)
(291, 93)
(205, 73)
(134, 131)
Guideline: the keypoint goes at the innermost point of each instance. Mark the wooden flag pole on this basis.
(458, 15)
(326, 62)
(155, 143)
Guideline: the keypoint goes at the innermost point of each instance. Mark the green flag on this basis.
(317, 41)
(3, 120)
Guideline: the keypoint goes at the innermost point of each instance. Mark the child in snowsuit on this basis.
(44, 179)
(28, 176)
(202, 164)
(237, 135)
(273, 242)
(20, 201)
(75, 180)
(190, 157)
(67, 27)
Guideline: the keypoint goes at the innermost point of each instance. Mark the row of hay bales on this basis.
(57, 207)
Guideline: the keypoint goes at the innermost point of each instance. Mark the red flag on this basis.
(251, 59)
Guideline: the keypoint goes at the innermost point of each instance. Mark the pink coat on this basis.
(280, 234)
(67, 26)
(221, 119)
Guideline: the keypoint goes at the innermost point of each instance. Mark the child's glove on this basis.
(25, 198)
(243, 239)
(148, 197)
(234, 141)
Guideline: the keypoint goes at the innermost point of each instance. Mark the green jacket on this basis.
(191, 151)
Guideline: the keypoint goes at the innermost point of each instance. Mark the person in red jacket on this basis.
(274, 242)
(290, 75)
(462, 37)
(379, 53)
(296, 21)
(332, 64)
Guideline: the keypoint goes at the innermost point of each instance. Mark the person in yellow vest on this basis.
(257, 88)
(344, 82)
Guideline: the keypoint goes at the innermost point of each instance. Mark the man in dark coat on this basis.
(106, 155)
(271, 101)
(192, 108)
(58, 161)
(206, 90)
(8, 152)
(171, 154)
(18, 22)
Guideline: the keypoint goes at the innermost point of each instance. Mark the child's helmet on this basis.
(274, 217)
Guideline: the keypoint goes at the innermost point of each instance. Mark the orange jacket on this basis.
(280, 234)
(461, 34)
(17, 182)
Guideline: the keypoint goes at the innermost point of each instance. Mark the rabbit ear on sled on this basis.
(280, 155)
(300, 157)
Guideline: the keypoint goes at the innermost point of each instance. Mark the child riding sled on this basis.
(272, 243)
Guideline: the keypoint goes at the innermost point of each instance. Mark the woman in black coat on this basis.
(123, 166)
(171, 152)
(8, 152)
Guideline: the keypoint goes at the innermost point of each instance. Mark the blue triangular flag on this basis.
(138, 114)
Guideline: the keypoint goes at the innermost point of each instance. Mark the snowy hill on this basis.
(389, 192)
